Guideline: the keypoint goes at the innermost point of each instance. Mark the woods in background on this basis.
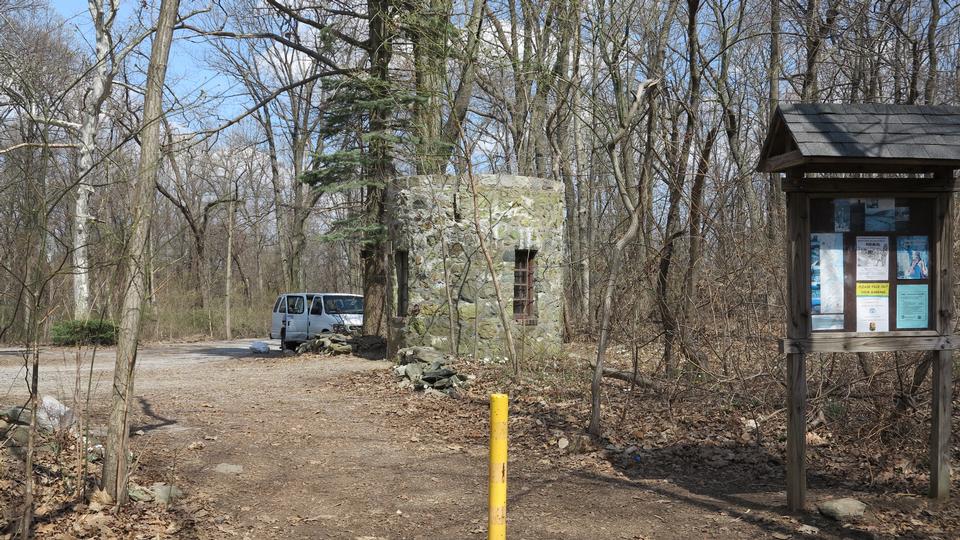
(279, 143)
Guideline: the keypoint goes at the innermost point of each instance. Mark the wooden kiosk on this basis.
(869, 197)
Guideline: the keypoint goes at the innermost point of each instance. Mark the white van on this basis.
(300, 316)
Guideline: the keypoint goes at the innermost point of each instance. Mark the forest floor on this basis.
(331, 447)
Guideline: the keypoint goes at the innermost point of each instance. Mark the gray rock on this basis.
(3, 426)
(842, 509)
(16, 415)
(426, 355)
(441, 384)
(53, 415)
(414, 372)
(139, 494)
(340, 348)
(166, 493)
(406, 356)
(436, 375)
(228, 468)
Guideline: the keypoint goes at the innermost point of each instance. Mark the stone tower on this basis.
(441, 276)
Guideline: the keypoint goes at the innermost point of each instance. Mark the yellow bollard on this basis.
(497, 520)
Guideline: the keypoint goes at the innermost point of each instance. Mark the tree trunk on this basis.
(380, 172)
(669, 316)
(773, 80)
(929, 91)
(34, 276)
(89, 120)
(816, 32)
(429, 41)
(229, 283)
(115, 465)
(28, 488)
(598, 371)
(635, 208)
(696, 220)
(278, 209)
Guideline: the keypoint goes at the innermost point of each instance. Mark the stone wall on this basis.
(432, 219)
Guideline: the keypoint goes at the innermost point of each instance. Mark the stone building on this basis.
(443, 280)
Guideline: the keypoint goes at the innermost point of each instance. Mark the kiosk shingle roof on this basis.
(857, 132)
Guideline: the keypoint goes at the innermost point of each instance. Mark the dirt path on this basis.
(319, 461)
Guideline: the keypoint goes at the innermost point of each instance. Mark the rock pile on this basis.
(425, 368)
(327, 344)
(366, 346)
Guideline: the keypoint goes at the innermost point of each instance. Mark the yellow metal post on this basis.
(497, 520)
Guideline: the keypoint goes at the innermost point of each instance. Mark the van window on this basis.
(317, 307)
(295, 305)
(346, 305)
(276, 307)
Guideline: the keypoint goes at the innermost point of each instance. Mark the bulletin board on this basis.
(871, 264)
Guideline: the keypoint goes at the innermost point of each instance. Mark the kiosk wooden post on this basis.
(942, 395)
(796, 369)
(869, 196)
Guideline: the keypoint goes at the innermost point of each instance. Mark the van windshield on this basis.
(344, 305)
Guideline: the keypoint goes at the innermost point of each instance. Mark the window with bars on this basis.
(524, 293)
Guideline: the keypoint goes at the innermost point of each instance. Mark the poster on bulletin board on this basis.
(873, 254)
(871, 264)
(913, 306)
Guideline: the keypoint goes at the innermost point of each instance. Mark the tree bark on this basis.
(668, 314)
(278, 210)
(93, 100)
(229, 262)
(115, 465)
(930, 89)
(635, 209)
(380, 171)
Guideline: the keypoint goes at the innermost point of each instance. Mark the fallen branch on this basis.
(627, 376)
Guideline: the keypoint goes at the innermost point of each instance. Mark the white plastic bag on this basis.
(259, 347)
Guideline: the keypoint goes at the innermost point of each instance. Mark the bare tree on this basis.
(115, 464)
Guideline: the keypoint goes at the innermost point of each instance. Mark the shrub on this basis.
(88, 332)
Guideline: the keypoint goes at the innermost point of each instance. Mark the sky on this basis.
(187, 73)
